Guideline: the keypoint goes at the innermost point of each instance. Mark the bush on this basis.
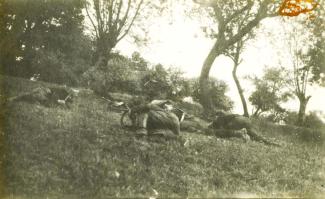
(290, 132)
(270, 91)
(115, 76)
(159, 82)
(218, 89)
(52, 67)
(290, 118)
(276, 115)
(312, 120)
(61, 66)
(154, 83)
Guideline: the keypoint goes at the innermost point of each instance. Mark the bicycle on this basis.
(126, 121)
(122, 107)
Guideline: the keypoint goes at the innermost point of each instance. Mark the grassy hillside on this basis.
(82, 152)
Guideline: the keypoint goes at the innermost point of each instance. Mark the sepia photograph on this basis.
(162, 99)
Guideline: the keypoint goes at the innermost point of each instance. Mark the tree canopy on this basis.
(36, 29)
(270, 91)
(230, 29)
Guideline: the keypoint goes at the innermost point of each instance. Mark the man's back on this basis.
(231, 121)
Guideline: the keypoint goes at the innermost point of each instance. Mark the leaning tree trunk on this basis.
(240, 90)
(303, 100)
(205, 97)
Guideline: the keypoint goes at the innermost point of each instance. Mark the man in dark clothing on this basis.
(234, 122)
(156, 115)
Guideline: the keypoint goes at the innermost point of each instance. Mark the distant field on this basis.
(82, 152)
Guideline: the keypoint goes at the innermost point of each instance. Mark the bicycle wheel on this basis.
(125, 120)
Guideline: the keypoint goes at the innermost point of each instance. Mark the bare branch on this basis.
(110, 15)
(123, 21)
(118, 14)
(92, 22)
(98, 16)
(132, 21)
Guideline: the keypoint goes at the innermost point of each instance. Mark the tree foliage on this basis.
(317, 62)
(120, 74)
(217, 91)
(313, 120)
(34, 33)
(317, 52)
(270, 91)
(170, 83)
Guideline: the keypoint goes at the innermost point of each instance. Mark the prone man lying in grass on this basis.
(234, 125)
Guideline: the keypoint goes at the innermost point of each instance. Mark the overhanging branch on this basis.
(261, 14)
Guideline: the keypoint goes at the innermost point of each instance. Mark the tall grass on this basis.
(82, 152)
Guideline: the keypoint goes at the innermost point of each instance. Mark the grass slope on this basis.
(83, 153)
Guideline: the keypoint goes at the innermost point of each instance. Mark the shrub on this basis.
(116, 75)
(52, 67)
(270, 91)
(154, 83)
(290, 132)
(313, 121)
(218, 89)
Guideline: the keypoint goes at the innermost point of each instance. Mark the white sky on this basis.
(182, 44)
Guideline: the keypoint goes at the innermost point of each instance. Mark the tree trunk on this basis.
(257, 113)
(303, 100)
(240, 90)
(103, 51)
(205, 97)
